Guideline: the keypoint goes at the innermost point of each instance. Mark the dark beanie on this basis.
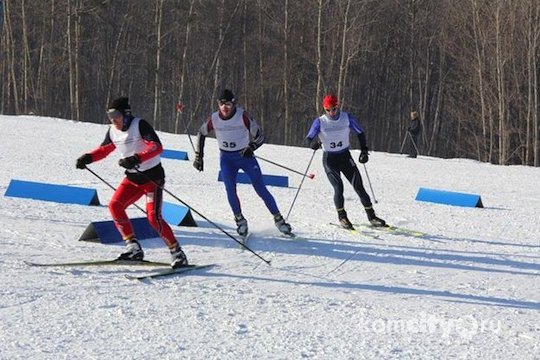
(121, 104)
(226, 95)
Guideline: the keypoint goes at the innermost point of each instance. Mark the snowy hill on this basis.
(466, 289)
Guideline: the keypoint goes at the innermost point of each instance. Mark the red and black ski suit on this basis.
(137, 137)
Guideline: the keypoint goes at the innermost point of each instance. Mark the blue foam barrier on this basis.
(52, 192)
(449, 198)
(175, 214)
(270, 180)
(174, 154)
(106, 232)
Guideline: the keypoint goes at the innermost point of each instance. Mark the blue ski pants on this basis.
(230, 163)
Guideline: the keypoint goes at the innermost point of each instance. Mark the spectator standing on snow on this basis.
(139, 147)
(238, 136)
(414, 129)
(333, 129)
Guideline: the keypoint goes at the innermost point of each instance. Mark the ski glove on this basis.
(248, 151)
(363, 158)
(198, 163)
(314, 144)
(83, 161)
(130, 162)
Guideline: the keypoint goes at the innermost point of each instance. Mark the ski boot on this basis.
(132, 252)
(241, 225)
(178, 257)
(282, 226)
(373, 219)
(343, 220)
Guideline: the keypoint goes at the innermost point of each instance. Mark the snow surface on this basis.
(467, 289)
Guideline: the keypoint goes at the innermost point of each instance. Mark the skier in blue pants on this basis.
(230, 163)
(238, 136)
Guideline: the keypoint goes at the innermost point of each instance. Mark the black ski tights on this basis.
(342, 162)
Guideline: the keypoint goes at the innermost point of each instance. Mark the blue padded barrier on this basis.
(176, 214)
(449, 198)
(271, 180)
(106, 232)
(51, 192)
(174, 154)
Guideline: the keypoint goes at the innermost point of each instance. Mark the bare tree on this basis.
(183, 70)
(157, 85)
(287, 135)
(318, 56)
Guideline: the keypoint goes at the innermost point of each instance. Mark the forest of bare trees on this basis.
(470, 67)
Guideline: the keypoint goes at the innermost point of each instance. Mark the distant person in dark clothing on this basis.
(414, 131)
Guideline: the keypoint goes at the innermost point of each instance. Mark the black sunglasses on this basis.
(330, 110)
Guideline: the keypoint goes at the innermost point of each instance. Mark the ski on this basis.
(395, 229)
(245, 239)
(357, 232)
(168, 272)
(101, 263)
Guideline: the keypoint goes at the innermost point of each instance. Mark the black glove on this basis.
(83, 161)
(314, 144)
(363, 158)
(130, 162)
(198, 163)
(248, 151)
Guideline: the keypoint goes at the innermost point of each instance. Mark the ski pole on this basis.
(414, 143)
(112, 187)
(311, 176)
(343, 262)
(179, 109)
(371, 187)
(300, 186)
(403, 144)
(204, 217)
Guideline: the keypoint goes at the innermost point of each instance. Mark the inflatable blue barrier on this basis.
(271, 180)
(449, 198)
(106, 232)
(175, 214)
(51, 192)
(174, 154)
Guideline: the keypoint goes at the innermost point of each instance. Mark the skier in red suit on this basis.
(139, 147)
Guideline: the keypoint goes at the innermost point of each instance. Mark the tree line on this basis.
(469, 67)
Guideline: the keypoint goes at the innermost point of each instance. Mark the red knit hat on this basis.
(330, 101)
